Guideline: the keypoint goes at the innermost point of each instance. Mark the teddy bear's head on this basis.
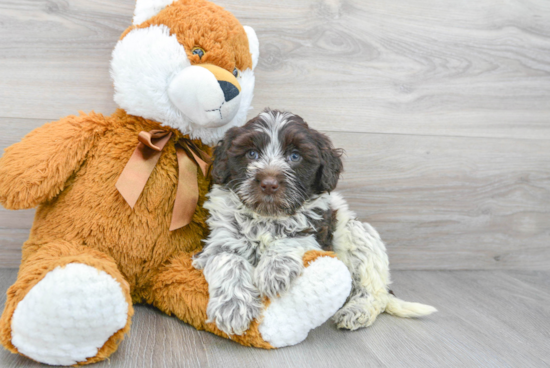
(188, 64)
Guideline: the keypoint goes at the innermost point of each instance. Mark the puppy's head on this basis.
(276, 162)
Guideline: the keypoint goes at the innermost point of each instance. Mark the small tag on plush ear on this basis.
(146, 9)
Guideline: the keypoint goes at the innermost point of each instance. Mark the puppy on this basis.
(271, 202)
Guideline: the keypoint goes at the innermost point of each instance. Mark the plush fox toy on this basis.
(120, 197)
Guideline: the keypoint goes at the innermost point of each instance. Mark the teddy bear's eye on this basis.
(236, 72)
(198, 51)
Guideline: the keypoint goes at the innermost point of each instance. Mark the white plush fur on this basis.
(313, 299)
(69, 315)
(146, 9)
(143, 65)
(196, 93)
(253, 45)
(148, 69)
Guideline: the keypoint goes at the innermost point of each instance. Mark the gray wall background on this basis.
(443, 108)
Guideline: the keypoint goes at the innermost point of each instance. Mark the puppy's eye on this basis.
(253, 155)
(236, 72)
(198, 51)
(294, 157)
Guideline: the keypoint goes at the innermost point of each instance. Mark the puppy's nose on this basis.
(229, 90)
(269, 185)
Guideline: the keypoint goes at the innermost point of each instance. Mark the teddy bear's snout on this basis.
(206, 94)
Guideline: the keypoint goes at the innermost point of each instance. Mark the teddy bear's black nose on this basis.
(229, 90)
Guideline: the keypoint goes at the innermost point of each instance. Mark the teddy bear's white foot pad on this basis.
(315, 296)
(69, 315)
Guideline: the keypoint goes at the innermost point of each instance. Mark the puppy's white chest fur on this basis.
(259, 234)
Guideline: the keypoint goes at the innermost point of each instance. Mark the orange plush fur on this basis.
(69, 168)
(205, 26)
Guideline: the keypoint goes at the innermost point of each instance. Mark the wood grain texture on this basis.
(422, 67)
(485, 319)
(442, 107)
(418, 67)
(56, 56)
(452, 203)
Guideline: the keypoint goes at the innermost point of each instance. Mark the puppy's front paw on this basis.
(233, 316)
(273, 275)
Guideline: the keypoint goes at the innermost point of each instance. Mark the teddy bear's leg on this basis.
(314, 297)
(69, 305)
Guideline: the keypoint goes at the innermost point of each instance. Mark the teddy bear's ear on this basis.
(146, 9)
(253, 45)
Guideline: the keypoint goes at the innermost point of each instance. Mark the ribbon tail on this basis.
(133, 178)
(137, 171)
(187, 194)
(202, 159)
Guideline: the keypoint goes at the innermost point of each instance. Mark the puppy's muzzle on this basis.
(269, 185)
(269, 182)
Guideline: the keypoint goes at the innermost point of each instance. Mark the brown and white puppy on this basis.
(275, 163)
(272, 201)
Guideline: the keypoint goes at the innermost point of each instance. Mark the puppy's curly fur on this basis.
(272, 201)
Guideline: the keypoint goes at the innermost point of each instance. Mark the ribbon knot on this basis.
(137, 171)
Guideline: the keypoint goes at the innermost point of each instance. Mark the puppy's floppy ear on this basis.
(220, 167)
(331, 164)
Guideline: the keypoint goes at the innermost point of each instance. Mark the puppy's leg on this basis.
(181, 290)
(234, 300)
(359, 246)
(276, 272)
(282, 264)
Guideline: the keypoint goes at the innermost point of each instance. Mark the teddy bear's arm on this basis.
(35, 170)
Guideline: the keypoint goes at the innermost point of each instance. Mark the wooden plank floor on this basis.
(485, 319)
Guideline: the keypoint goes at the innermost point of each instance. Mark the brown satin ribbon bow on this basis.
(144, 159)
